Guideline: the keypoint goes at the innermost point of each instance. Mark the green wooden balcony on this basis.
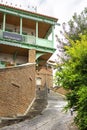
(26, 41)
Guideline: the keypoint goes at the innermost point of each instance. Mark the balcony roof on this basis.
(11, 50)
(7, 7)
(24, 52)
(29, 19)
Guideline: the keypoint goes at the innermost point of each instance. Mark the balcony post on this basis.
(31, 56)
(53, 35)
(4, 21)
(20, 26)
(36, 30)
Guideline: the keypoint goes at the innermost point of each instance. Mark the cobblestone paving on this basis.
(52, 118)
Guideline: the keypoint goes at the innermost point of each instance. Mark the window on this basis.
(38, 81)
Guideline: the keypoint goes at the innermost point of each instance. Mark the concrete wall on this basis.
(9, 58)
(17, 89)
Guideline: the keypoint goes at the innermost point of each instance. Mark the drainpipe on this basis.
(53, 35)
(46, 78)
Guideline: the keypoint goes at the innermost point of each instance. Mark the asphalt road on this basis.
(52, 118)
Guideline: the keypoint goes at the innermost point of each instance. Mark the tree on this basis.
(77, 25)
(72, 75)
(72, 70)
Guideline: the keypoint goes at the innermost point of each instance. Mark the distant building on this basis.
(24, 51)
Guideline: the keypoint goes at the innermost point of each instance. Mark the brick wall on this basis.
(31, 56)
(17, 89)
(46, 76)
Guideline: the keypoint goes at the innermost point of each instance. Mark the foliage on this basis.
(72, 75)
(72, 65)
(77, 25)
(73, 29)
(81, 118)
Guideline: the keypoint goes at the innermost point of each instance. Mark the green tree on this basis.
(72, 69)
(76, 26)
(72, 75)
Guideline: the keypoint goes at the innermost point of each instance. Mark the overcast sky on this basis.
(61, 9)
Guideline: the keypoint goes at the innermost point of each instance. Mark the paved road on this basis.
(52, 118)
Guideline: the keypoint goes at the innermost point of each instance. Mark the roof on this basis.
(33, 13)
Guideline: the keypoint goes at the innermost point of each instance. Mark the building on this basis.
(25, 48)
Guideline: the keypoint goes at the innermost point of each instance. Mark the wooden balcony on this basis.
(26, 41)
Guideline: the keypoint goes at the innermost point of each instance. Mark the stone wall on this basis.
(17, 89)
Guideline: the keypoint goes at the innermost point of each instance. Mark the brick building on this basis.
(25, 48)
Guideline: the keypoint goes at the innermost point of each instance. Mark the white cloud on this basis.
(61, 9)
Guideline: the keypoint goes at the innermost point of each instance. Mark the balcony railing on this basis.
(25, 39)
(44, 42)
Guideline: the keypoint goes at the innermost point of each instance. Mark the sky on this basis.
(63, 10)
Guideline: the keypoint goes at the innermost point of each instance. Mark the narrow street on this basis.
(52, 118)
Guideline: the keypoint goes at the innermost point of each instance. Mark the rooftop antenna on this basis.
(36, 9)
(38, 5)
(32, 5)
